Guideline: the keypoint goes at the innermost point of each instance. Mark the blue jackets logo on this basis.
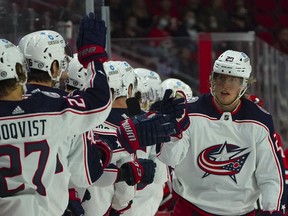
(222, 159)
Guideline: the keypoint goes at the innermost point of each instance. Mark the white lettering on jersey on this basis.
(76, 102)
(129, 131)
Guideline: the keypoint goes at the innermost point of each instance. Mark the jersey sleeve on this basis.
(173, 152)
(85, 163)
(161, 170)
(280, 148)
(109, 176)
(123, 194)
(90, 106)
(109, 133)
(270, 172)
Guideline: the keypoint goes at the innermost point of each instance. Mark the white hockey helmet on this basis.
(41, 48)
(149, 85)
(10, 55)
(177, 85)
(128, 78)
(233, 63)
(25, 40)
(77, 74)
(113, 74)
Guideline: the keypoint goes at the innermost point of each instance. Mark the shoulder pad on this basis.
(263, 110)
(193, 99)
(51, 94)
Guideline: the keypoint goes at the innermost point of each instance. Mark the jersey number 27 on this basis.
(15, 168)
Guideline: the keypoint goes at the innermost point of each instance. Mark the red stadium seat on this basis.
(283, 4)
(267, 21)
(265, 6)
(267, 37)
(283, 19)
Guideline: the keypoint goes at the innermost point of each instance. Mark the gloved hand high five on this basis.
(141, 131)
(176, 108)
(169, 105)
(184, 121)
(91, 40)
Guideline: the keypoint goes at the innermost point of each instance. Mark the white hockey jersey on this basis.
(105, 193)
(225, 160)
(148, 197)
(31, 131)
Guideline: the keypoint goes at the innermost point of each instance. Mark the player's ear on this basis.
(20, 73)
(54, 69)
(130, 91)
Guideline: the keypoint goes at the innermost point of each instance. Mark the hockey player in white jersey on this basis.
(116, 197)
(76, 80)
(148, 197)
(38, 126)
(148, 88)
(175, 85)
(77, 75)
(227, 157)
(45, 51)
(87, 156)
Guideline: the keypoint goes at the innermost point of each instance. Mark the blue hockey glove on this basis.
(114, 212)
(169, 105)
(87, 196)
(175, 107)
(140, 170)
(149, 167)
(130, 172)
(91, 40)
(141, 131)
(74, 206)
(184, 121)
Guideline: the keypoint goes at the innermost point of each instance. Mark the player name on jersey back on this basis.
(23, 129)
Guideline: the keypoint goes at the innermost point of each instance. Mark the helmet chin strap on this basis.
(57, 78)
(241, 93)
(24, 88)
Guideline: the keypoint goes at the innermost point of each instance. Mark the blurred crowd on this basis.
(147, 18)
(185, 18)
(162, 18)
(171, 26)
